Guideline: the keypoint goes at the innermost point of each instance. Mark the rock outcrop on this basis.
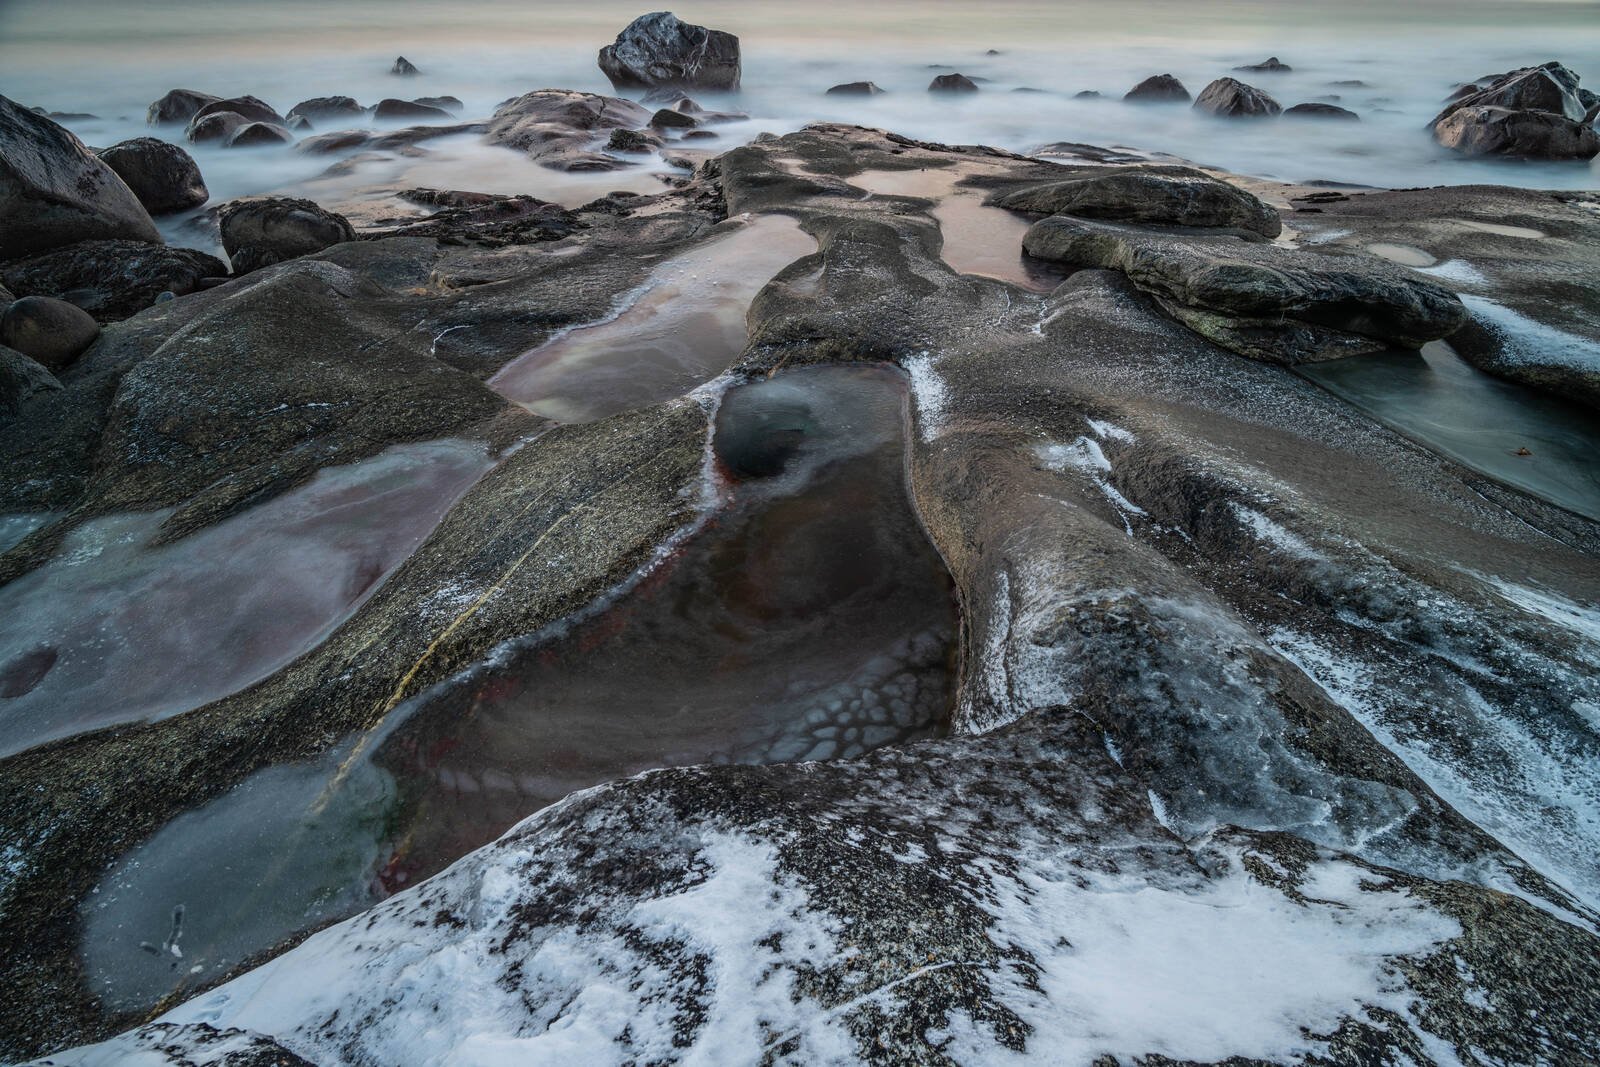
(328, 109)
(1232, 99)
(54, 191)
(560, 129)
(1318, 110)
(259, 233)
(1158, 89)
(392, 109)
(1171, 196)
(1270, 65)
(257, 134)
(163, 176)
(855, 89)
(659, 50)
(952, 83)
(404, 68)
(1535, 113)
(177, 107)
(112, 279)
(21, 379)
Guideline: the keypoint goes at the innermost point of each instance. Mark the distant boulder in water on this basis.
(855, 89)
(1533, 113)
(177, 107)
(1316, 110)
(217, 126)
(163, 176)
(443, 103)
(952, 83)
(660, 50)
(252, 108)
(1233, 99)
(1270, 65)
(404, 67)
(406, 109)
(258, 134)
(54, 191)
(328, 109)
(1158, 89)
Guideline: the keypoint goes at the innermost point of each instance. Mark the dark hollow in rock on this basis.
(661, 50)
(259, 233)
(54, 191)
(1321, 111)
(854, 89)
(177, 107)
(1269, 65)
(1158, 89)
(1231, 98)
(406, 109)
(113, 279)
(163, 176)
(1268, 303)
(52, 332)
(404, 67)
(952, 83)
(21, 378)
(1173, 196)
(328, 109)
(255, 134)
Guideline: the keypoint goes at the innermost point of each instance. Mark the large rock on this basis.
(659, 49)
(327, 109)
(392, 109)
(1499, 131)
(257, 134)
(1317, 110)
(1158, 89)
(217, 126)
(163, 176)
(21, 378)
(54, 191)
(113, 279)
(404, 67)
(259, 233)
(1264, 302)
(1173, 196)
(559, 128)
(1551, 88)
(251, 108)
(1231, 98)
(49, 331)
(177, 107)
(855, 89)
(952, 83)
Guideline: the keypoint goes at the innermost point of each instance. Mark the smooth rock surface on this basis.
(51, 332)
(1174, 196)
(163, 176)
(1158, 89)
(113, 279)
(177, 107)
(259, 233)
(660, 50)
(1233, 99)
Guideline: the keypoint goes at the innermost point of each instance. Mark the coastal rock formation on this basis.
(328, 109)
(255, 134)
(1270, 65)
(54, 191)
(1173, 196)
(855, 89)
(404, 67)
(1317, 110)
(248, 107)
(217, 126)
(259, 233)
(443, 103)
(392, 109)
(51, 332)
(952, 83)
(177, 107)
(559, 128)
(163, 176)
(21, 378)
(659, 50)
(1158, 89)
(112, 279)
(1535, 112)
(1261, 301)
(1233, 99)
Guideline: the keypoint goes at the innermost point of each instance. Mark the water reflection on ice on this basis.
(112, 631)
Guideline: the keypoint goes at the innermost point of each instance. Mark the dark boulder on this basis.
(1158, 89)
(328, 109)
(257, 134)
(632, 141)
(163, 176)
(54, 191)
(1233, 99)
(300, 124)
(952, 83)
(558, 128)
(1269, 65)
(113, 279)
(659, 49)
(443, 103)
(1321, 111)
(392, 110)
(337, 141)
(50, 331)
(178, 107)
(1269, 303)
(1499, 131)
(217, 126)
(667, 119)
(259, 233)
(249, 107)
(1551, 88)
(21, 378)
(1087, 94)
(1170, 196)
(855, 89)
(404, 67)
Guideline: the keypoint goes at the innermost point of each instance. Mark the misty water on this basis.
(808, 619)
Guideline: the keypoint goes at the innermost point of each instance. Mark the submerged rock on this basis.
(247, 107)
(54, 191)
(163, 176)
(1158, 89)
(443, 103)
(1268, 303)
(178, 107)
(1230, 98)
(259, 233)
(1268, 65)
(1174, 196)
(328, 109)
(952, 83)
(51, 332)
(559, 128)
(403, 67)
(660, 50)
(255, 134)
(113, 279)
(405, 109)
(217, 126)
(855, 89)
(1321, 111)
